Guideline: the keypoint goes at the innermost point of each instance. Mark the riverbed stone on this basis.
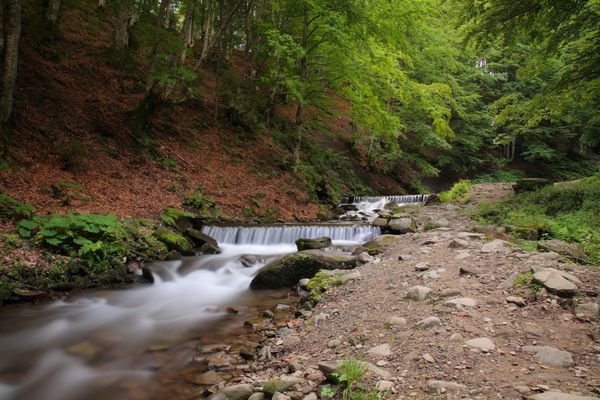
(280, 396)
(257, 396)
(418, 293)
(396, 321)
(428, 322)
(240, 391)
(439, 387)
(554, 357)
(587, 310)
(377, 245)
(461, 302)
(516, 300)
(402, 225)
(570, 250)
(383, 350)
(280, 384)
(458, 244)
(495, 246)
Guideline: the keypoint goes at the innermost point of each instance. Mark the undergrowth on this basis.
(459, 193)
(569, 212)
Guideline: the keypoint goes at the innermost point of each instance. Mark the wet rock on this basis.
(174, 241)
(209, 248)
(484, 344)
(428, 322)
(241, 391)
(495, 246)
(460, 303)
(553, 357)
(530, 184)
(288, 270)
(200, 239)
(440, 387)
(313, 244)
(383, 350)
(418, 293)
(552, 395)
(249, 260)
(208, 378)
(556, 281)
(458, 244)
(402, 225)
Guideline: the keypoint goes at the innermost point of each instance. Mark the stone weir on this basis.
(400, 199)
(289, 233)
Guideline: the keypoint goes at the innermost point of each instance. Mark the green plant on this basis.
(349, 374)
(66, 192)
(198, 201)
(327, 392)
(525, 279)
(10, 240)
(459, 193)
(72, 155)
(12, 209)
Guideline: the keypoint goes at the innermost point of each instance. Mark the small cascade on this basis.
(404, 199)
(288, 234)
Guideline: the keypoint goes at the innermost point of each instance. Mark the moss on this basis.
(177, 219)
(319, 284)
(174, 241)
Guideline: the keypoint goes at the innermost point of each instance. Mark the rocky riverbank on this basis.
(445, 313)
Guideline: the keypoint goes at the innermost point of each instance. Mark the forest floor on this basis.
(420, 342)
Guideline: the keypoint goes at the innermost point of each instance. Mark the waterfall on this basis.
(404, 199)
(288, 234)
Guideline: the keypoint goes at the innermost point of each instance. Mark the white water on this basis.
(368, 207)
(112, 328)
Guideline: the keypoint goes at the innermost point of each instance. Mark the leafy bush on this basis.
(199, 202)
(12, 209)
(459, 193)
(97, 239)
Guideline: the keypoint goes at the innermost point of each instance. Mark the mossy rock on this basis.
(288, 270)
(174, 241)
(313, 244)
(377, 245)
(530, 184)
(570, 250)
(522, 232)
(178, 219)
(200, 239)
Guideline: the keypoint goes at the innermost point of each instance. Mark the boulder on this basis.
(458, 244)
(174, 241)
(570, 250)
(377, 245)
(200, 239)
(400, 226)
(288, 270)
(432, 199)
(240, 391)
(587, 310)
(530, 184)
(313, 244)
(383, 350)
(280, 384)
(209, 248)
(560, 282)
(380, 222)
(460, 303)
(250, 260)
(428, 322)
(484, 344)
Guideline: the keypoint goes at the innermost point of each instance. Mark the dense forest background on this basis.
(265, 105)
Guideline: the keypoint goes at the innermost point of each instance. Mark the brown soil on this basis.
(356, 314)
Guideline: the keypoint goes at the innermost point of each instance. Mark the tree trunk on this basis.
(163, 12)
(303, 75)
(207, 31)
(123, 24)
(11, 34)
(53, 10)
(188, 28)
(101, 3)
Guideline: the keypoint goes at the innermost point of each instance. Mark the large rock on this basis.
(570, 250)
(402, 225)
(241, 391)
(288, 270)
(560, 282)
(553, 395)
(331, 369)
(484, 344)
(418, 293)
(200, 239)
(383, 350)
(460, 303)
(313, 244)
(380, 222)
(530, 184)
(280, 384)
(553, 357)
(587, 310)
(377, 245)
(174, 241)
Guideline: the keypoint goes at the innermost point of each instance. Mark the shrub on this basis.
(459, 193)
(12, 209)
(199, 202)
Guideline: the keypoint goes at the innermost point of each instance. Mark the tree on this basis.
(9, 51)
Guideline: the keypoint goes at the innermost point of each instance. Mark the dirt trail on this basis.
(353, 319)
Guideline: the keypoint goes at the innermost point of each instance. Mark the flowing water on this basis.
(366, 208)
(138, 342)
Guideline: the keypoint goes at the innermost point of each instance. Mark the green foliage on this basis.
(15, 210)
(319, 284)
(459, 193)
(171, 215)
(350, 374)
(327, 392)
(569, 211)
(199, 202)
(526, 280)
(498, 176)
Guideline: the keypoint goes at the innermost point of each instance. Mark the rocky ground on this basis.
(449, 313)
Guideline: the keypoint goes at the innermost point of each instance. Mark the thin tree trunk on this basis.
(123, 23)
(188, 28)
(303, 76)
(207, 31)
(101, 3)
(53, 10)
(224, 23)
(11, 34)
(163, 12)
